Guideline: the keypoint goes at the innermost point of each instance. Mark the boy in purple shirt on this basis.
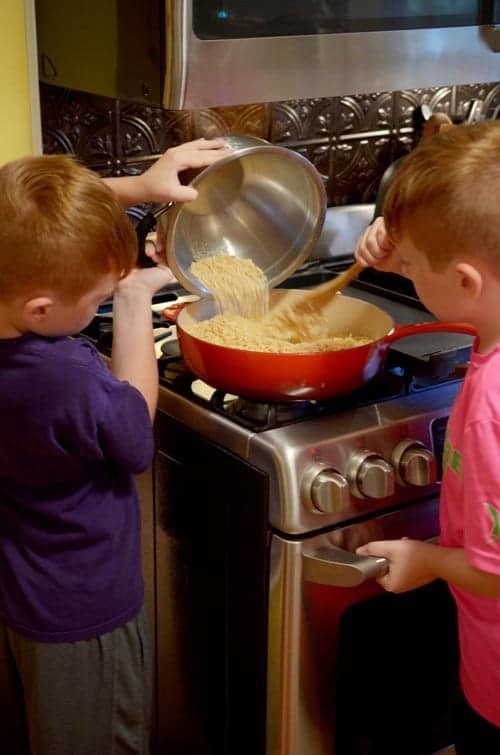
(74, 658)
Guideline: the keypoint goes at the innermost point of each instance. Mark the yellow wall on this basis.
(18, 100)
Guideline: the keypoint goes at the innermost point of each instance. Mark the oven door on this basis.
(354, 670)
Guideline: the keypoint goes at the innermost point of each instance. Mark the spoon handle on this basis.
(318, 297)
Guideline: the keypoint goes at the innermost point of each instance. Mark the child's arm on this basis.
(160, 183)
(375, 249)
(414, 563)
(133, 355)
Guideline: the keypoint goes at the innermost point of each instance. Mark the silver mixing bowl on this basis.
(262, 202)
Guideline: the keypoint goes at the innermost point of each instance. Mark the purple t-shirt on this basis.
(71, 437)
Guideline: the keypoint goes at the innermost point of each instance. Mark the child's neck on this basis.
(487, 323)
(483, 314)
(488, 339)
(9, 328)
(9, 332)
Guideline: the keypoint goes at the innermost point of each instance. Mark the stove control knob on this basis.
(325, 490)
(370, 475)
(414, 463)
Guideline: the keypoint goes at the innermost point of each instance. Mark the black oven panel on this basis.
(213, 19)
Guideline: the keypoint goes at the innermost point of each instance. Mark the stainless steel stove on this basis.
(272, 635)
(259, 593)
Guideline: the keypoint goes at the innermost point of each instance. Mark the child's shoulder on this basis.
(482, 385)
(485, 368)
(65, 354)
(65, 363)
(80, 353)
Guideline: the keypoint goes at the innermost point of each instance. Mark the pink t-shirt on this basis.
(470, 519)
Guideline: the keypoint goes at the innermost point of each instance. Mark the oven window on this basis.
(397, 674)
(232, 19)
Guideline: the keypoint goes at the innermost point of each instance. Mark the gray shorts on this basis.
(91, 697)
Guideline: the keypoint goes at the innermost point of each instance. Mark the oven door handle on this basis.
(337, 567)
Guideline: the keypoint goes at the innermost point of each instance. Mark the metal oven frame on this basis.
(247, 619)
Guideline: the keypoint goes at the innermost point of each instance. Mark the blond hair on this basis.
(446, 196)
(61, 228)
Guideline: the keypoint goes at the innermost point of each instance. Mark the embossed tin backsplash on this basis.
(350, 140)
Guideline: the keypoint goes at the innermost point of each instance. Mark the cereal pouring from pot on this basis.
(245, 320)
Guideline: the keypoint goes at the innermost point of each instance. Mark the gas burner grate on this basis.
(264, 415)
(397, 380)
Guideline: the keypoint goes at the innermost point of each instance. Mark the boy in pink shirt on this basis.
(441, 229)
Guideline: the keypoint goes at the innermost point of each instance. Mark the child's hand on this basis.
(408, 563)
(157, 250)
(160, 183)
(375, 249)
(145, 281)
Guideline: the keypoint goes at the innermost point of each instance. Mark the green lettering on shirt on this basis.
(495, 520)
(452, 458)
(456, 463)
(446, 452)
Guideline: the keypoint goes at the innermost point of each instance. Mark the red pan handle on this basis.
(429, 327)
(172, 313)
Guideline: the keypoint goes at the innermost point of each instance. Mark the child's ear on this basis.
(36, 310)
(470, 279)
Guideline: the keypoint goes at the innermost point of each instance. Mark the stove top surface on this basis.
(395, 381)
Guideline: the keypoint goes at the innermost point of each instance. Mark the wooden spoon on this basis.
(312, 301)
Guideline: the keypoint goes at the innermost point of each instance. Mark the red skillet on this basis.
(294, 377)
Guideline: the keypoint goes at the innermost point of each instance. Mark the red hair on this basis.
(61, 228)
(445, 196)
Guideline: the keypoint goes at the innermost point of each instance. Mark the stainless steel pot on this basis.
(262, 202)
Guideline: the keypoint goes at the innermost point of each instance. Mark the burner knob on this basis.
(325, 490)
(370, 475)
(414, 463)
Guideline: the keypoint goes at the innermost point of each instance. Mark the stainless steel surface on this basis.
(370, 475)
(287, 68)
(215, 427)
(475, 113)
(261, 202)
(414, 463)
(341, 230)
(168, 613)
(329, 565)
(301, 679)
(172, 67)
(325, 490)
(288, 453)
(305, 466)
